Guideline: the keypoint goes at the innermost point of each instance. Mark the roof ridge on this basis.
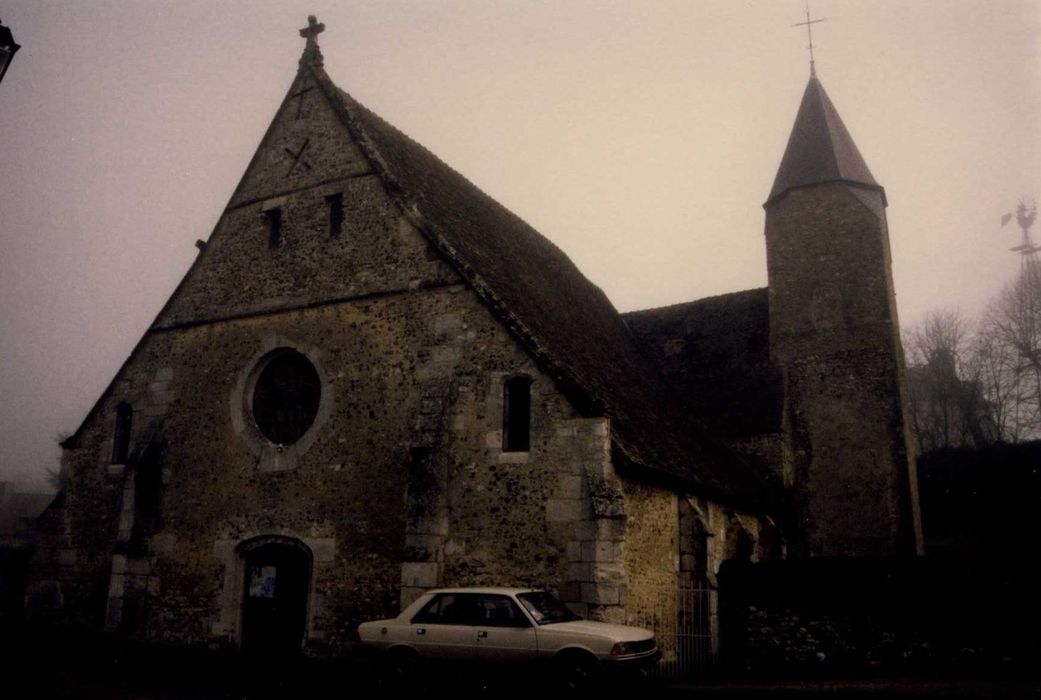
(829, 132)
(699, 300)
(371, 150)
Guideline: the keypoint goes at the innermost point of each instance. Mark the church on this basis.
(375, 380)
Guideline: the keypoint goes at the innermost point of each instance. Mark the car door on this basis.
(504, 633)
(444, 629)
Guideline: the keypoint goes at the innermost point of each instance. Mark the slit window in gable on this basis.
(121, 434)
(274, 227)
(516, 414)
(335, 202)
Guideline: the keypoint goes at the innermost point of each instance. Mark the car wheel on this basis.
(577, 671)
(402, 668)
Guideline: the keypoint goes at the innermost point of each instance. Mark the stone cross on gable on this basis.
(310, 32)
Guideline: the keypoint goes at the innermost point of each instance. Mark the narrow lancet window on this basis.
(335, 202)
(121, 434)
(516, 414)
(274, 227)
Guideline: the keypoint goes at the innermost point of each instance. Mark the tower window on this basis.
(274, 227)
(516, 414)
(335, 202)
(121, 436)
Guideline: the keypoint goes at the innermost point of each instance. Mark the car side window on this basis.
(499, 611)
(448, 609)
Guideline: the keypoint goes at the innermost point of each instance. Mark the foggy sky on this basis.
(641, 137)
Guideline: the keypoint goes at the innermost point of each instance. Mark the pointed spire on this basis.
(820, 148)
(312, 54)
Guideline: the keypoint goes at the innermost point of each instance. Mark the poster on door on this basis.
(262, 582)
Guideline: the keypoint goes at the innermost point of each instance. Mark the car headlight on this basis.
(625, 648)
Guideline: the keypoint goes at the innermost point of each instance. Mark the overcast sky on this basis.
(641, 137)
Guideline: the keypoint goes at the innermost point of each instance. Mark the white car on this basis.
(508, 626)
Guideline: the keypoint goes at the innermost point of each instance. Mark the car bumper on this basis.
(631, 664)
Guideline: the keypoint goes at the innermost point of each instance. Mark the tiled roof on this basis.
(564, 320)
(820, 148)
(716, 352)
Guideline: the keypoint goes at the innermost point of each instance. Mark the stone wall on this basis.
(508, 518)
(651, 556)
(652, 538)
(675, 546)
(835, 334)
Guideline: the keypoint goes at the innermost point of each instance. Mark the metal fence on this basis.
(682, 622)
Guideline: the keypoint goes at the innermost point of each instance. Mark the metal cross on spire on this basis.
(310, 32)
(809, 34)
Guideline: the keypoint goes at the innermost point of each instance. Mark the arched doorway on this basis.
(274, 598)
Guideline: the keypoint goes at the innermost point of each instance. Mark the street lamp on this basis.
(7, 49)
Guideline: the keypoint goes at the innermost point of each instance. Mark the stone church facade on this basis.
(375, 380)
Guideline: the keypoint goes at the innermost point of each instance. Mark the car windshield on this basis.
(545, 608)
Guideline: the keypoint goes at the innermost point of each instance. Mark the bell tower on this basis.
(835, 336)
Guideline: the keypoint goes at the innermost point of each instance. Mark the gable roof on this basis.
(17, 507)
(820, 148)
(565, 321)
(716, 352)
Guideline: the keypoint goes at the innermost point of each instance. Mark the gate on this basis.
(681, 619)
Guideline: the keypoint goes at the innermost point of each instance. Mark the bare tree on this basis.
(1013, 327)
(995, 366)
(973, 385)
(947, 406)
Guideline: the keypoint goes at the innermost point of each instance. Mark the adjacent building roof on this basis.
(18, 512)
(716, 352)
(564, 320)
(820, 148)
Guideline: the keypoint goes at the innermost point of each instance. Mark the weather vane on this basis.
(1026, 212)
(809, 34)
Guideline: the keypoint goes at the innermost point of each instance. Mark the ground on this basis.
(60, 668)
